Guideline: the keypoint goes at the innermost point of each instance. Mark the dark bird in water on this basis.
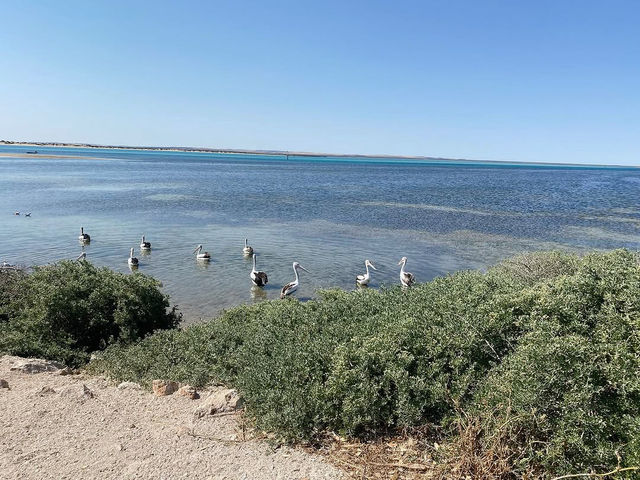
(144, 245)
(201, 256)
(27, 214)
(84, 237)
(406, 279)
(259, 279)
(247, 250)
(133, 261)
(289, 288)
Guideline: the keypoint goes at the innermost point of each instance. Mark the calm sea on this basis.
(328, 214)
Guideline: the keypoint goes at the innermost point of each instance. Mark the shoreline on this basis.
(274, 153)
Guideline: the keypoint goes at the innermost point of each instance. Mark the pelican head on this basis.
(403, 261)
(131, 253)
(296, 266)
(199, 247)
(368, 263)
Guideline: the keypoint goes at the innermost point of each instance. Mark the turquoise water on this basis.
(327, 213)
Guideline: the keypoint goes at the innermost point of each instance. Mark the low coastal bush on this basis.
(67, 310)
(10, 278)
(533, 365)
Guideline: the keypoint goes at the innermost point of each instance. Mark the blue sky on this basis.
(502, 80)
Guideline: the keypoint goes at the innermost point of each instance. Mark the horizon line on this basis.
(295, 153)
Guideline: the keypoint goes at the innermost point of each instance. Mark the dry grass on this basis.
(418, 454)
(405, 456)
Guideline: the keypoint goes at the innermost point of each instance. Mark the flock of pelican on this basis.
(259, 278)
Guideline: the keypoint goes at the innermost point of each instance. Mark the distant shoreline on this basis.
(234, 151)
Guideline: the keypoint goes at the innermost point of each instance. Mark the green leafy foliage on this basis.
(540, 355)
(67, 310)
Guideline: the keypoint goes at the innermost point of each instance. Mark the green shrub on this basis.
(575, 373)
(67, 310)
(538, 356)
(9, 287)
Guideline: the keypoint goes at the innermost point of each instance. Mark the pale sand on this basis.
(127, 434)
(46, 155)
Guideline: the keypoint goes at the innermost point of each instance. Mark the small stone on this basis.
(77, 392)
(129, 386)
(222, 401)
(188, 391)
(164, 387)
(45, 391)
(4, 383)
(86, 393)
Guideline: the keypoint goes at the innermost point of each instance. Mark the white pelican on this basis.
(289, 288)
(17, 213)
(133, 261)
(82, 256)
(201, 256)
(364, 279)
(247, 250)
(84, 237)
(259, 279)
(144, 245)
(406, 279)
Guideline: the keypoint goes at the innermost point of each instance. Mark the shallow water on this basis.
(328, 214)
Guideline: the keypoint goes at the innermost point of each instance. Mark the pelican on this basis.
(84, 237)
(247, 250)
(364, 279)
(289, 288)
(201, 256)
(82, 256)
(144, 245)
(27, 214)
(133, 261)
(406, 279)
(17, 213)
(259, 279)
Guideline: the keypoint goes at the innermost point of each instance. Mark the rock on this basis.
(164, 387)
(4, 383)
(86, 393)
(222, 401)
(129, 386)
(188, 391)
(36, 365)
(65, 371)
(45, 391)
(76, 391)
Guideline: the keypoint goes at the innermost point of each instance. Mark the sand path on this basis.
(51, 428)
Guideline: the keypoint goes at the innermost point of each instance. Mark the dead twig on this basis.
(599, 475)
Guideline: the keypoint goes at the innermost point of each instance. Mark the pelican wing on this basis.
(408, 279)
(261, 279)
(287, 289)
(359, 278)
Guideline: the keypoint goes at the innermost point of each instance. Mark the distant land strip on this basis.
(295, 153)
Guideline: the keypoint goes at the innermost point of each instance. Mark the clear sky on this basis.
(543, 80)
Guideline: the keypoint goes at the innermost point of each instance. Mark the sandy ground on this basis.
(46, 155)
(52, 428)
